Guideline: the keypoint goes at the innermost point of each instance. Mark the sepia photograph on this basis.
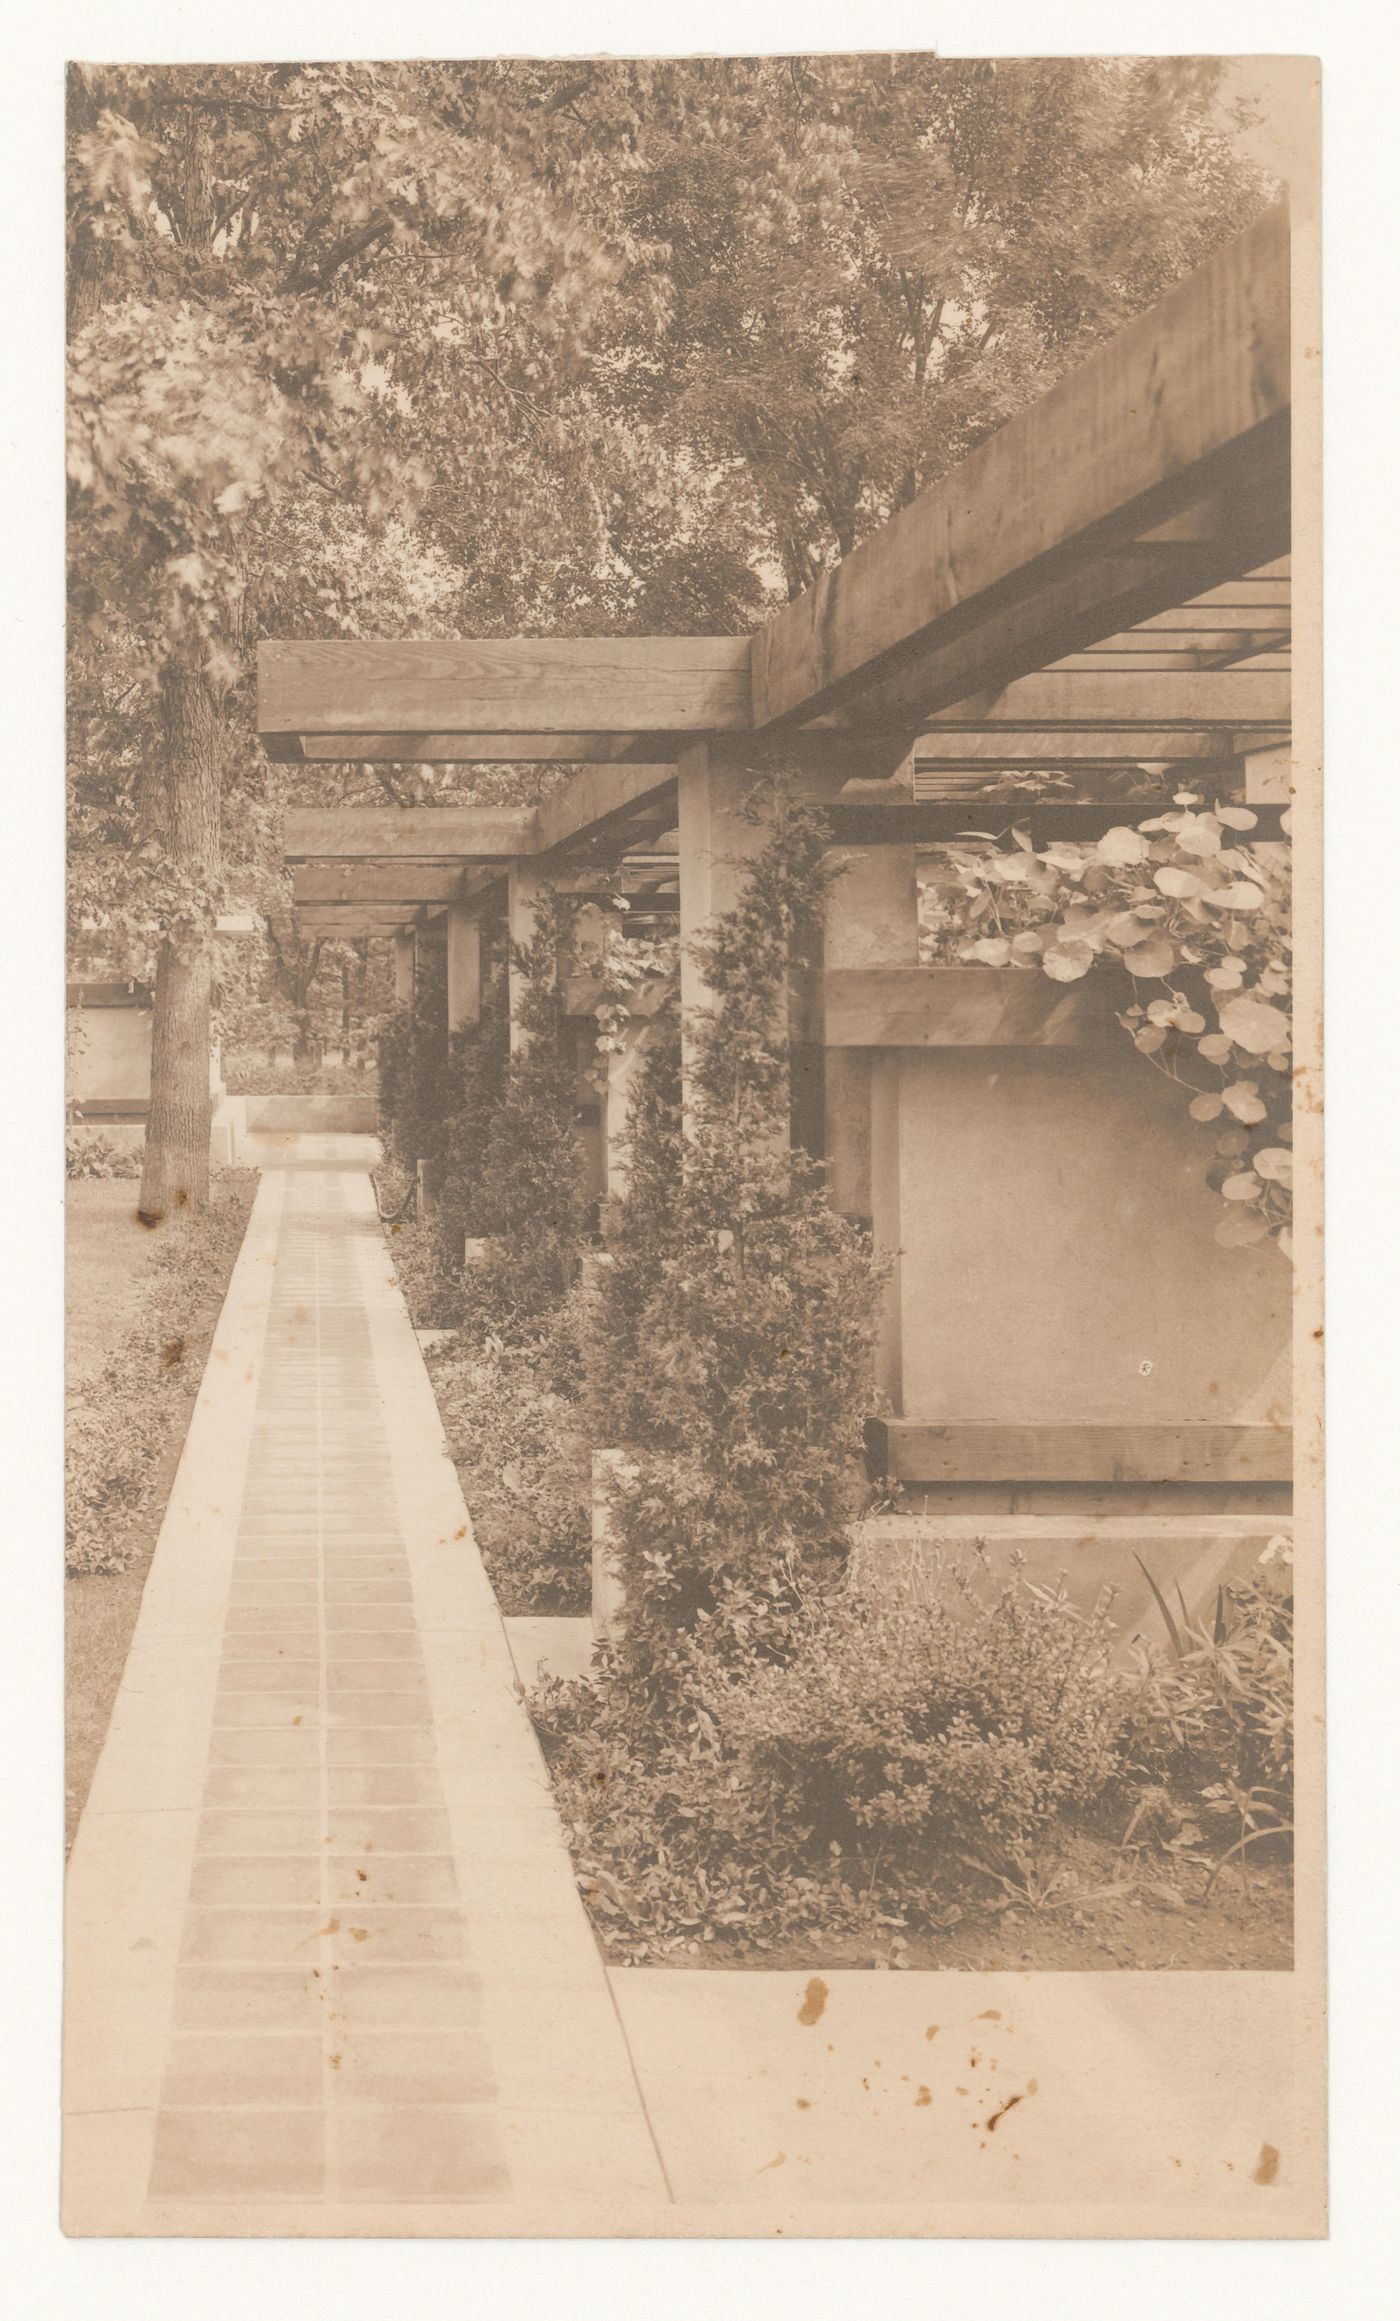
(693, 1402)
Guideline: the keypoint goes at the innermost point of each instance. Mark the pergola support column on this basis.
(872, 920)
(525, 894)
(718, 842)
(405, 949)
(463, 967)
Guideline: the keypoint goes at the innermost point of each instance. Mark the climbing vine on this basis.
(741, 1311)
(626, 964)
(1202, 926)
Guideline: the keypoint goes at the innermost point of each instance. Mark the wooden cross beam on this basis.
(1148, 480)
(400, 833)
(408, 883)
(939, 821)
(350, 919)
(525, 686)
(1227, 698)
(1101, 745)
(472, 749)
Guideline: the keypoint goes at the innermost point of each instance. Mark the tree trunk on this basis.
(175, 1175)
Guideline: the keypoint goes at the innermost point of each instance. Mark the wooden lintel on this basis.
(456, 748)
(330, 919)
(1191, 400)
(1194, 698)
(504, 685)
(1067, 746)
(939, 821)
(392, 833)
(948, 1007)
(1192, 1451)
(376, 882)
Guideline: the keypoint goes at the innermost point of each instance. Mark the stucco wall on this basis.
(1058, 1253)
(109, 1054)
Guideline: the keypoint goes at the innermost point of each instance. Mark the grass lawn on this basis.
(114, 1269)
(109, 1254)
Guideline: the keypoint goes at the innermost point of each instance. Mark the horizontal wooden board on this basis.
(452, 749)
(941, 821)
(1058, 607)
(949, 1007)
(1195, 698)
(428, 833)
(911, 1451)
(376, 882)
(597, 799)
(1123, 440)
(1133, 745)
(529, 685)
(1191, 622)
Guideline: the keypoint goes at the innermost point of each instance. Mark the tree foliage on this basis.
(442, 348)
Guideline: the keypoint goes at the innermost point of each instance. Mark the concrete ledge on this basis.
(318, 1115)
(920, 1558)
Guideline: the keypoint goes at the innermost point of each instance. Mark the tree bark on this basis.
(175, 1173)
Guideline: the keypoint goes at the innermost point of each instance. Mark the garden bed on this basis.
(508, 1404)
(961, 1784)
(1100, 1917)
(137, 1351)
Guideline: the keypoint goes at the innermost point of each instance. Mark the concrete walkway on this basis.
(327, 1969)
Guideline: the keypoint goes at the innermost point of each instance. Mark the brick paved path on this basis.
(327, 1970)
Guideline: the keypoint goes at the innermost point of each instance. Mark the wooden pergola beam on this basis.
(452, 749)
(409, 883)
(601, 799)
(1190, 402)
(1099, 745)
(350, 919)
(1228, 698)
(937, 821)
(399, 833)
(343, 688)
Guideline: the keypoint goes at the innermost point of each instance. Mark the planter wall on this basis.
(1039, 1191)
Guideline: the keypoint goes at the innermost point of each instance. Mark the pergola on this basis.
(1103, 586)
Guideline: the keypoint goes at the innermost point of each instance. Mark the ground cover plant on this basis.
(510, 1409)
(905, 1773)
(88, 1153)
